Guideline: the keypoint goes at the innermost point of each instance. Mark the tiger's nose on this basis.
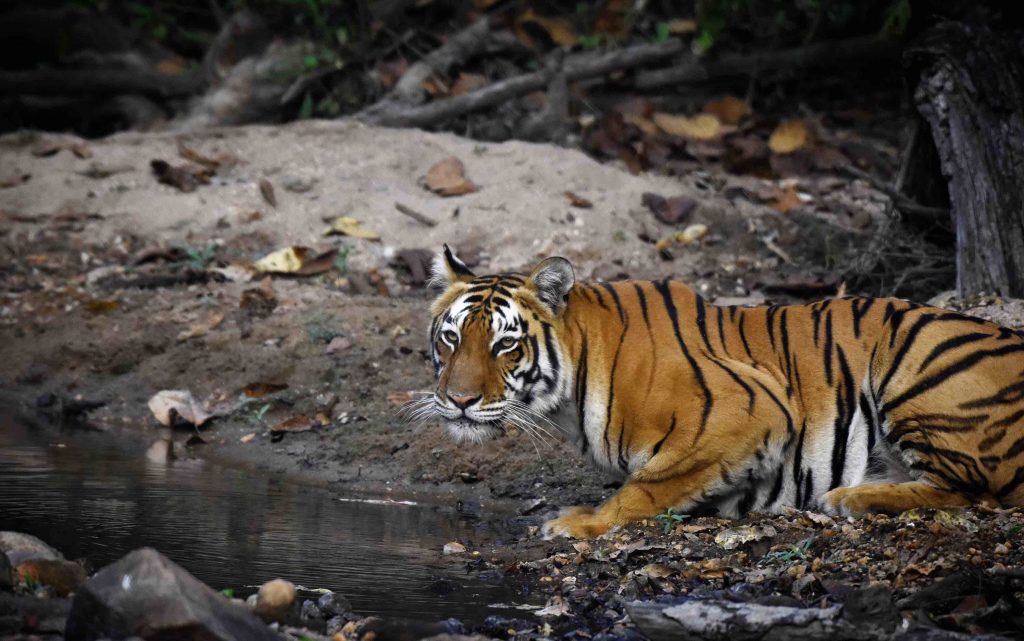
(462, 401)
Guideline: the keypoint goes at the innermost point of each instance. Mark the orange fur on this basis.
(846, 405)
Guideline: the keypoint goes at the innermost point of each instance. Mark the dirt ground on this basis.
(114, 286)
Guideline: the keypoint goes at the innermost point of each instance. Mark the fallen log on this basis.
(715, 620)
(576, 67)
(100, 82)
(858, 51)
(970, 91)
(720, 620)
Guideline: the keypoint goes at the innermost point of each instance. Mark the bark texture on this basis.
(970, 91)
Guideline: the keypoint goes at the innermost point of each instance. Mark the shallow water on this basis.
(96, 499)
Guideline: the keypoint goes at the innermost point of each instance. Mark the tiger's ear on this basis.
(448, 270)
(551, 280)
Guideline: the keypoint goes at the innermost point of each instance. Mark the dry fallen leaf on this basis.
(785, 200)
(680, 26)
(700, 127)
(202, 327)
(259, 390)
(300, 423)
(248, 437)
(732, 538)
(298, 260)
(212, 163)
(466, 83)
(350, 226)
(672, 210)
(692, 234)
(99, 306)
(185, 177)
(267, 191)
(14, 180)
(453, 548)
(169, 405)
(729, 110)
(448, 178)
(789, 136)
(656, 571)
(578, 201)
(558, 29)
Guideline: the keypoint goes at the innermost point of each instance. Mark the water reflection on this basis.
(231, 527)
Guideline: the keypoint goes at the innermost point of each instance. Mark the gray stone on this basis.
(24, 547)
(310, 611)
(147, 595)
(333, 604)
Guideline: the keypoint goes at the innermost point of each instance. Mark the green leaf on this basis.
(306, 110)
(704, 41)
(897, 17)
(662, 32)
(228, 592)
(311, 61)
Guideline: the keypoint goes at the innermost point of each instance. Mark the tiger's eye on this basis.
(450, 336)
(508, 342)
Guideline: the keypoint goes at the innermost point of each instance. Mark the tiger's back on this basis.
(846, 405)
(840, 393)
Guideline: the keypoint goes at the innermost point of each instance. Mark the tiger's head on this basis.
(494, 341)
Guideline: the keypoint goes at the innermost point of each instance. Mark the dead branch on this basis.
(858, 51)
(415, 215)
(908, 206)
(68, 82)
(455, 51)
(577, 67)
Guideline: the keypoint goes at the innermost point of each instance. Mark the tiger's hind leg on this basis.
(890, 498)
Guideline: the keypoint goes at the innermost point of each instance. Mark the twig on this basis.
(415, 215)
(905, 204)
(863, 51)
(456, 50)
(577, 67)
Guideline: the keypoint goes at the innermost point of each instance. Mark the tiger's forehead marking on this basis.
(490, 297)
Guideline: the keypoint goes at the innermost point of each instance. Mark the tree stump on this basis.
(970, 91)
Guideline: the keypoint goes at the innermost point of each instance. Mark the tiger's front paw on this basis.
(843, 501)
(579, 522)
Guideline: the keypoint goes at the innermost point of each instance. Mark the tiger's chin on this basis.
(464, 430)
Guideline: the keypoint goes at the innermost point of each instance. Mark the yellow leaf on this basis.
(730, 110)
(788, 137)
(559, 29)
(692, 234)
(699, 127)
(350, 227)
(682, 25)
(284, 261)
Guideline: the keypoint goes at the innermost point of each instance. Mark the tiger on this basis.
(845, 406)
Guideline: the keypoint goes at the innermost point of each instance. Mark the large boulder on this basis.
(6, 573)
(24, 547)
(145, 594)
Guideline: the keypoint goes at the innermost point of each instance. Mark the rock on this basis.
(309, 611)
(63, 576)
(6, 573)
(275, 600)
(145, 594)
(23, 547)
(335, 624)
(333, 604)
(454, 548)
